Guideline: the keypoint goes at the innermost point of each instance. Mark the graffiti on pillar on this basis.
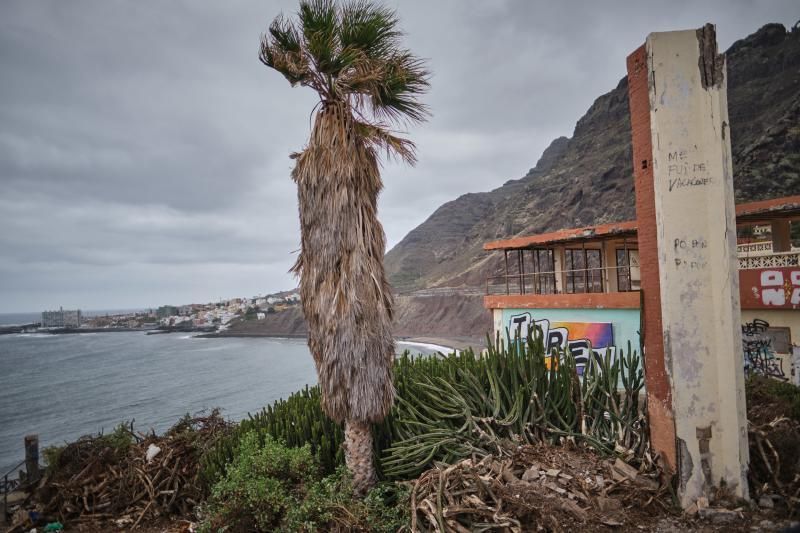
(770, 288)
(581, 338)
(759, 357)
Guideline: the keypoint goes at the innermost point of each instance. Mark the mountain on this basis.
(587, 179)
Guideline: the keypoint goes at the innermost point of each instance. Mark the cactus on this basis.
(457, 405)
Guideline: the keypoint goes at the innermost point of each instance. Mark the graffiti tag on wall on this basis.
(770, 288)
(581, 338)
(759, 358)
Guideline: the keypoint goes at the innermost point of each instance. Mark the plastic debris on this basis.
(152, 451)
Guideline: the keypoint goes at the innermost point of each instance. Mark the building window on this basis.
(628, 273)
(584, 270)
(543, 279)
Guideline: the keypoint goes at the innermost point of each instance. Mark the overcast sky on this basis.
(144, 149)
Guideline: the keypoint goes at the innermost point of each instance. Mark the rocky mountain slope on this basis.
(587, 179)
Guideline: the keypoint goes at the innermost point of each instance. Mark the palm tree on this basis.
(351, 55)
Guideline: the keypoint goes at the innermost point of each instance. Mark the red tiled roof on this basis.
(588, 233)
(750, 212)
(768, 209)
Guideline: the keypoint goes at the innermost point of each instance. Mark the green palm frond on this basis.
(285, 34)
(320, 22)
(282, 50)
(404, 79)
(369, 28)
(351, 53)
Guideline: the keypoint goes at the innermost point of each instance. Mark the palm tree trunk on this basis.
(358, 455)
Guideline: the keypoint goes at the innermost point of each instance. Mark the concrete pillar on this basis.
(497, 321)
(696, 373)
(781, 236)
(558, 263)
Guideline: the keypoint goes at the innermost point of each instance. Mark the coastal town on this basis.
(206, 318)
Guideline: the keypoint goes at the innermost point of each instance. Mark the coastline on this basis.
(224, 334)
(442, 344)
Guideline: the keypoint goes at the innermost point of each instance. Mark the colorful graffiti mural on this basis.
(581, 338)
(770, 288)
(607, 331)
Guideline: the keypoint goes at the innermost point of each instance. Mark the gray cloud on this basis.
(144, 150)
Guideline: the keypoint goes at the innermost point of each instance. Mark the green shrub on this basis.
(296, 421)
(788, 392)
(52, 457)
(777, 398)
(330, 506)
(264, 481)
(120, 439)
(271, 487)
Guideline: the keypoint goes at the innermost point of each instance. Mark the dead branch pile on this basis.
(153, 476)
(775, 463)
(537, 487)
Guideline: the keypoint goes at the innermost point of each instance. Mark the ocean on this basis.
(64, 386)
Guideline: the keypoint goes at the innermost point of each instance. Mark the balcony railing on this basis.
(755, 247)
(582, 280)
(785, 259)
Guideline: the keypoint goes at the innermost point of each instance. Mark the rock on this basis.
(124, 521)
(719, 516)
(765, 525)
(647, 483)
(509, 476)
(574, 508)
(622, 470)
(765, 502)
(531, 474)
(608, 504)
(555, 488)
(552, 472)
(667, 525)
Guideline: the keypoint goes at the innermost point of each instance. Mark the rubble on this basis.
(155, 476)
(554, 488)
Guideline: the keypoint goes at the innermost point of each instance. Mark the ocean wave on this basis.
(429, 346)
